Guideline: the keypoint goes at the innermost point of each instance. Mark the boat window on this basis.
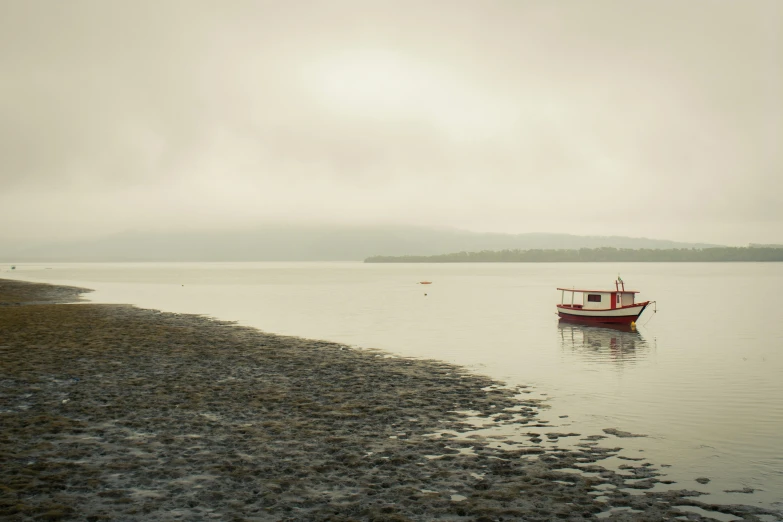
(595, 298)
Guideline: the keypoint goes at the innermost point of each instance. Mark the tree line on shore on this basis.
(597, 255)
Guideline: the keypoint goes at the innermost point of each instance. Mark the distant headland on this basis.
(599, 255)
(291, 242)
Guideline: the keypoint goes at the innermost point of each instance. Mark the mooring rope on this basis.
(655, 311)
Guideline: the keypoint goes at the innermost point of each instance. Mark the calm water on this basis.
(703, 378)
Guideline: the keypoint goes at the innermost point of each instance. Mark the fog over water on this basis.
(659, 119)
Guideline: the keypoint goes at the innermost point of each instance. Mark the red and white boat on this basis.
(616, 306)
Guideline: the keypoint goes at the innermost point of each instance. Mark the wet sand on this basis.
(116, 412)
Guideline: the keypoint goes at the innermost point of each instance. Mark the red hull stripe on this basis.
(626, 319)
(565, 308)
(599, 319)
(600, 291)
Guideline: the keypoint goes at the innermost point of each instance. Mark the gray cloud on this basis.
(607, 117)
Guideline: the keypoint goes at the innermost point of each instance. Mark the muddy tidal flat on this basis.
(112, 412)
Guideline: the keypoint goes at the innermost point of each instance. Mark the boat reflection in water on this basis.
(620, 344)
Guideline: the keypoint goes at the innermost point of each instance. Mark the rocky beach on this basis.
(113, 412)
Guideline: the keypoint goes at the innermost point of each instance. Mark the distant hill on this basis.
(310, 243)
(599, 255)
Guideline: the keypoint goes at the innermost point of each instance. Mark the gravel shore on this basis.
(112, 412)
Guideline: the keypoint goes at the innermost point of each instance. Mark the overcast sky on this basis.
(645, 118)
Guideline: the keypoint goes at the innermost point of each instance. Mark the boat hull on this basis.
(624, 315)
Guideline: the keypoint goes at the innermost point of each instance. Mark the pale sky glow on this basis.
(378, 86)
(630, 117)
(371, 83)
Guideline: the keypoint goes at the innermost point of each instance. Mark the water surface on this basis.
(703, 378)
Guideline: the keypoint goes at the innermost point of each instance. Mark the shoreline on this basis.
(113, 411)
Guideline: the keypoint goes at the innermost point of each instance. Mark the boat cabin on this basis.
(598, 299)
(616, 306)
